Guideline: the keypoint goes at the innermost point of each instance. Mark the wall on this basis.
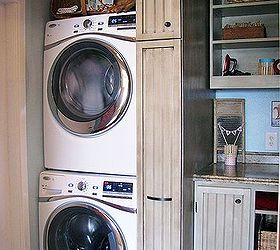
(36, 16)
(257, 114)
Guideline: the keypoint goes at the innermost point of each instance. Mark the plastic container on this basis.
(265, 66)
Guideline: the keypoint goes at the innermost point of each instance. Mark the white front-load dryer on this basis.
(87, 211)
(89, 94)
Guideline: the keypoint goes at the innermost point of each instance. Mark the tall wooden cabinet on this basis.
(159, 122)
(174, 110)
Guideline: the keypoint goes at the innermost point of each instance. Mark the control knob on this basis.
(87, 23)
(82, 185)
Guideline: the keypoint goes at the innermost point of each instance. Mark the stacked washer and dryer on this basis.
(87, 195)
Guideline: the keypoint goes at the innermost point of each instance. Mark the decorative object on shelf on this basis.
(275, 113)
(230, 66)
(68, 8)
(230, 150)
(244, 31)
(265, 66)
(276, 67)
(229, 128)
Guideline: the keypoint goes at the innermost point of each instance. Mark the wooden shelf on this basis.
(244, 9)
(268, 212)
(248, 43)
(253, 81)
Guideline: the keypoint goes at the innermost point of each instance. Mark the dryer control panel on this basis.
(122, 24)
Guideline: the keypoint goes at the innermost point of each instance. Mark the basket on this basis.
(68, 8)
(267, 240)
(244, 32)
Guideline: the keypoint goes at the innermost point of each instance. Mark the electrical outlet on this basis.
(271, 141)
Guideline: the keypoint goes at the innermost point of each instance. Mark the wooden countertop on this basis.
(267, 174)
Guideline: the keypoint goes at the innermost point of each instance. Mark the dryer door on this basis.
(89, 87)
(82, 226)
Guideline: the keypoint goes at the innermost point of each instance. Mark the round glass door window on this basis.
(83, 227)
(90, 87)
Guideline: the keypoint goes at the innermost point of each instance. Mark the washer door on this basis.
(83, 227)
(89, 87)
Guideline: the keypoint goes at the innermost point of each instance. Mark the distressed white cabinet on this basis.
(222, 218)
(158, 19)
(159, 137)
(171, 133)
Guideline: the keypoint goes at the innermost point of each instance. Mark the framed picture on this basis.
(275, 113)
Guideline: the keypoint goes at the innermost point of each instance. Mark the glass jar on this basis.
(265, 66)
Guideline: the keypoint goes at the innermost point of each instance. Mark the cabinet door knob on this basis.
(167, 24)
(237, 201)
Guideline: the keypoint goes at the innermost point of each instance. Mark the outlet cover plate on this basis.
(271, 141)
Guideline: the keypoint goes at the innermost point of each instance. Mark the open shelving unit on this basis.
(246, 51)
(266, 212)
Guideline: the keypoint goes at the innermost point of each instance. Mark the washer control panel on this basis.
(54, 183)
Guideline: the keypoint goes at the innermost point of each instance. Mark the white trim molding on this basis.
(12, 21)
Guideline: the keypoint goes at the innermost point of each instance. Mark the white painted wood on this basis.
(151, 18)
(266, 212)
(247, 8)
(220, 222)
(14, 130)
(259, 81)
(5, 228)
(159, 143)
(238, 6)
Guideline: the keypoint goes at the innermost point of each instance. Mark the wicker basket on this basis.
(267, 240)
(59, 7)
(244, 32)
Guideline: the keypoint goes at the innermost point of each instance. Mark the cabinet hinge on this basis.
(195, 207)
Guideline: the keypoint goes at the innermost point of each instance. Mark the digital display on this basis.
(117, 187)
(122, 20)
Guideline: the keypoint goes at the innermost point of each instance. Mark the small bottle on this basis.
(265, 66)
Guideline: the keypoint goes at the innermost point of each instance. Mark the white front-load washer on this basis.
(87, 211)
(89, 94)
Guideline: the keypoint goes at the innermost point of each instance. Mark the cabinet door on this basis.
(222, 218)
(158, 19)
(159, 144)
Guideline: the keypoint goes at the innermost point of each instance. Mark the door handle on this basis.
(158, 198)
